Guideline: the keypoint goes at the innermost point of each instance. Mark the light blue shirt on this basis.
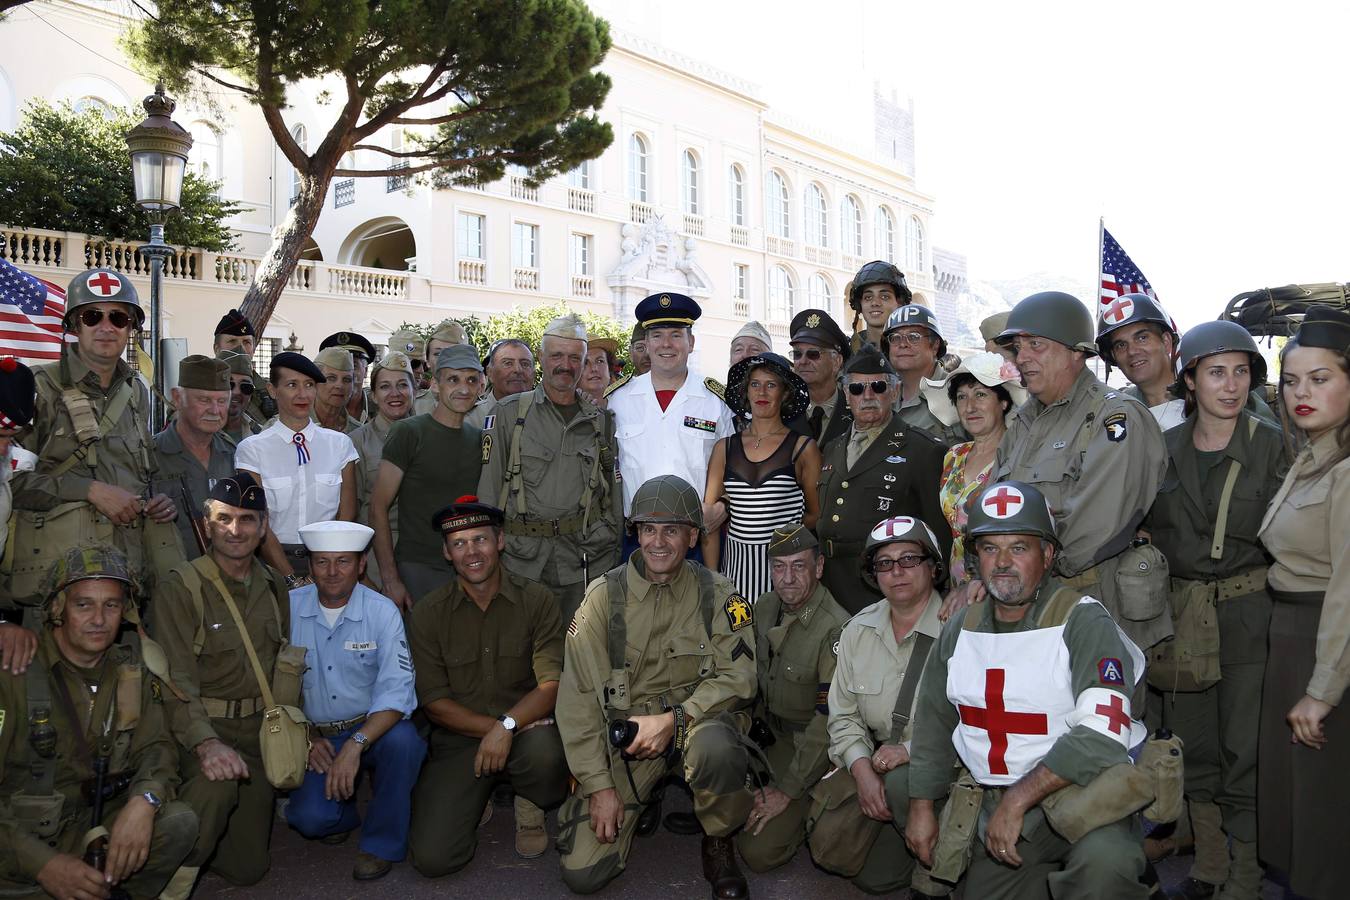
(359, 666)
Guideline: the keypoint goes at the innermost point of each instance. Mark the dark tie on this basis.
(817, 422)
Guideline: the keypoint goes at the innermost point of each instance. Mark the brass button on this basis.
(834, 518)
(839, 502)
(843, 484)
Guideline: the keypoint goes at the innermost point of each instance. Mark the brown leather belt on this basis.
(330, 729)
(232, 709)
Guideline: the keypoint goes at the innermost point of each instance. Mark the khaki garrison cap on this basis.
(203, 373)
(409, 342)
(569, 326)
(790, 539)
(451, 331)
(335, 358)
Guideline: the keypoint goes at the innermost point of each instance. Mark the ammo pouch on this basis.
(287, 675)
(1141, 583)
(1190, 661)
(41, 537)
(957, 828)
(1120, 791)
(36, 814)
(839, 835)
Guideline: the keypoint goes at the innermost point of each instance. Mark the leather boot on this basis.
(650, 816)
(1211, 844)
(531, 835)
(719, 867)
(1244, 875)
(180, 885)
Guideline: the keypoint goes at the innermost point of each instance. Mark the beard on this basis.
(1008, 589)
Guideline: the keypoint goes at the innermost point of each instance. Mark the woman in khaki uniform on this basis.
(1305, 736)
(1223, 467)
(391, 389)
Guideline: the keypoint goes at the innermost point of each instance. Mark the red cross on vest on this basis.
(1114, 712)
(999, 722)
(105, 284)
(1003, 502)
(1119, 310)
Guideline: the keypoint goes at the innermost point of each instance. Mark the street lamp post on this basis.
(159, 149)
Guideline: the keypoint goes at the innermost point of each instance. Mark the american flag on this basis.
(30, 315)
(1119, 273)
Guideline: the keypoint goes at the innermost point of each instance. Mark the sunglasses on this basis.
(813, 354)
(246, 388)
(908, 561)
(879, 386)
(91, 317)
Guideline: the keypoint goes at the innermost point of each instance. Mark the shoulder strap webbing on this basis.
(904, 701)
(618, 623)
(193, 582)
(207, 568)
(512, 483)
(88, 429)
(1221, 519)
(705, 596)
(1057, 611)
(42, 768)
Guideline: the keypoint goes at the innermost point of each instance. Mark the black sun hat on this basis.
(795, 396)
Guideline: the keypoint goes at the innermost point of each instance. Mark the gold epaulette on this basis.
(716, 387)
(618, 384)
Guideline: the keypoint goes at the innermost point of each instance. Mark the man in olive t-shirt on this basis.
(429, 461)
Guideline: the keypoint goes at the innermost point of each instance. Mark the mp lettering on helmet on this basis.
(1003, 502)
(1118, 310)
(104, 284)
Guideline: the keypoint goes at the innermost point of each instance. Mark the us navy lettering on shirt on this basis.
(360, 645)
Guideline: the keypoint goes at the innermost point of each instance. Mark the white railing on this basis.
(583, 286)
(780, 246)
(34, 247)
(525, 279)
(356, 281)
(821, 256)
(740, 309)
(693, 225)
(641, 213)
(231, 269)
(740, 236)
(471, 271)
(522, 191)
(579, 200)
(850, 262)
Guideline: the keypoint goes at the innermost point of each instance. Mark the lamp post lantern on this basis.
(159, 149)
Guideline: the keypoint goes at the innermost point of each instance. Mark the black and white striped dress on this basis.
(763, 496)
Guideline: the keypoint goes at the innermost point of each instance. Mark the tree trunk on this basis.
(277, 264)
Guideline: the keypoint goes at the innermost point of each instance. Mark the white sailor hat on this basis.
(336, 537)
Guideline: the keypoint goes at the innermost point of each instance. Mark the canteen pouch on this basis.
(957, 825)
(41, 537)
(1190, 661)
(839, 835)
(1162, 756)
(284, 739)
(1141, 583)
(287, 675)
(37, 814)
(128, 697)
(1119, 791)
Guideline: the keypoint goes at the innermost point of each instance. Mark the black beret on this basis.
(233, 322)
(18, 391)
(349, 340)
(1325, 327)
(240, 490)
(466, 512)
(297, 363)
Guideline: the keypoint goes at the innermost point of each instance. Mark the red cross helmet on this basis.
(893, 531)
(1130, 309)
(102, 286)
(1011, 507)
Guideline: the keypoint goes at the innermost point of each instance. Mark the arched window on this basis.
(84, 104)
(205, 159)
(737, 196)
(689, 182)
(780, 295)
(817, 217)
(851, 226)
(580, 177)
(637, 168)
(818, 292)
(780, 206)
(914, 244)
(301, 136)
(883, 234)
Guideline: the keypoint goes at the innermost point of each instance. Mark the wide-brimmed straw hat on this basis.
(989, 369)
(795, 396)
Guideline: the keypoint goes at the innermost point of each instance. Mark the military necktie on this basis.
(856, 445)
(817, 422)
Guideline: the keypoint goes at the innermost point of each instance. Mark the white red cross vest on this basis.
(1014, 693)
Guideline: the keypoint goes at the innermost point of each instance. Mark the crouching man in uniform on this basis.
(1033, 691)
(87, 720)
(660, 658)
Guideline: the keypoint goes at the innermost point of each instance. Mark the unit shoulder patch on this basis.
(487, 447)
(1109, 671)
(716, 387)
(739, 612)
(1114, 425)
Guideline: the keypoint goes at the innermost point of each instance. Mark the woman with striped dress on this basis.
(766, 473)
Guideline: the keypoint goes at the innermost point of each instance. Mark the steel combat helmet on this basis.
(669, 499)
(1055, 315)
(893, 531)
(83, 564)
(918, 316)
(1011, 507)
(1212, 338)
(102, 286)
(878, 272)
(1130, 309)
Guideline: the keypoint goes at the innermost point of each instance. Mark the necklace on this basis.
(760, 438)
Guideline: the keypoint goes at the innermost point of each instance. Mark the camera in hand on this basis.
(622, 733)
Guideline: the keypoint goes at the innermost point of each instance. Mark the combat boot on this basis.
(1244, 875)
(1211, 850)
(531, 835)
(719, 867)
(180, 885)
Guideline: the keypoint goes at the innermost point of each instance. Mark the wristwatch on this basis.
(507, 722)
(295, 581)
(153, 800)
(359, 738)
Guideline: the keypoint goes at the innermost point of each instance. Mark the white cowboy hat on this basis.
(989, 369)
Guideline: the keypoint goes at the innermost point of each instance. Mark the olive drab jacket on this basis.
(669, 656)
(121, 703)
(796, 653)
(554, 477)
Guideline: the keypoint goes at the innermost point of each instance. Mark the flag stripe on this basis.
(31, 310)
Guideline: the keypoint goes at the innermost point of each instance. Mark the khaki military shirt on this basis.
(123, 454)
(351, 425)
(485, 660)
(425, 401)
(1183, 519)
(142, 744)
(369, 442)
(559, 459)
(795, 656)
(872, 667)
(1098, 490)
(669, 655)
(477, 416)
(1305, 530)
(182, 477)
(915, 411)
(222, 670)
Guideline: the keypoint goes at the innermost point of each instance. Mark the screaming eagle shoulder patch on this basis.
(1114, 425)
(739, 612)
